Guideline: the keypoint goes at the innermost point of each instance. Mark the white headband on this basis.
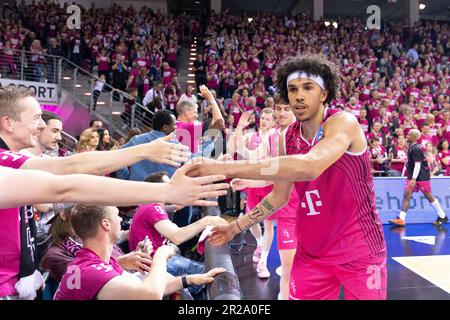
(303, 75)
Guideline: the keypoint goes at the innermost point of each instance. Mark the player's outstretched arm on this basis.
(44, 187)
(341, 133)
(279, 196)
(100, 163)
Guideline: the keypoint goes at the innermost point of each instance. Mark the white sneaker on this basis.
(261, 269)
(278, 271)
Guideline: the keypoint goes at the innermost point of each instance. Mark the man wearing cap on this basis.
(340, 235)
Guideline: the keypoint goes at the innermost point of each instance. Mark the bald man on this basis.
(418, 179)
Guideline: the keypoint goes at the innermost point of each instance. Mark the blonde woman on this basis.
(37, 59)
(89, 140)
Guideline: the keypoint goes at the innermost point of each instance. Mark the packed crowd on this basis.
(392, 80)
(131, 48)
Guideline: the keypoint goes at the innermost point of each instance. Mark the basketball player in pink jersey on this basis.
(340, 235)
(251, 144)
(285, 217)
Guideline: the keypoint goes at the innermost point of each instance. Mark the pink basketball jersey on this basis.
(337, 220)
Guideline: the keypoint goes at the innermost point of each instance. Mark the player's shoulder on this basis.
(342, 120)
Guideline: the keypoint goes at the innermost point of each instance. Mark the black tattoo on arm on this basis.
(256, 214)
(265, 203)
(262, 210)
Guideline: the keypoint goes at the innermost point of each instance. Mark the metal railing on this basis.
(111, 105)
(68, 145)
(226, 285)
(28, 66)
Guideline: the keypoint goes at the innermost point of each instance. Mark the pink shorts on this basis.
(362, 279)
(253, 198)
(286, 235)
(423, 186)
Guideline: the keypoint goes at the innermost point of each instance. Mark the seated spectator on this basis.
(104, 140)
(430, 156)
(443, 155)
(89, 140)
(363, 122)
(379, 158)
(398, 155)
(66, 244)
(100, 275)
(152, 220)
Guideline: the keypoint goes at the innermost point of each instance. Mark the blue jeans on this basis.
(37, 72)
(178, 265)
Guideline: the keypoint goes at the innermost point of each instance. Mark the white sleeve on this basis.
(148, 97)
(416, 170)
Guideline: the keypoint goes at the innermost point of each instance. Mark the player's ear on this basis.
(323, 95)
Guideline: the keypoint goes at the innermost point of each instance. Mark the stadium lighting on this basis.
(250, 20)
(422, 6)
(101, 102)
(87, 94)
(190, 81)
(192, 59)
(67, 78)
(116, 113)
(78, 85)
(191, 75)
(327, 23)
(335, 25)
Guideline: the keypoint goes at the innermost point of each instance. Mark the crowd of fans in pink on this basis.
(393, 79)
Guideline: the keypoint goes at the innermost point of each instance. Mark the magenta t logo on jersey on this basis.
(312, 204)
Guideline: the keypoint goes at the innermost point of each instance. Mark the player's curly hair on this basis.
(315, 64)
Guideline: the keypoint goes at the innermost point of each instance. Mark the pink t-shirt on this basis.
(442, 155)
(401, 155)
(10, 233)
(189, 134)
(93, 273)
(143, 224)
(364, 124)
